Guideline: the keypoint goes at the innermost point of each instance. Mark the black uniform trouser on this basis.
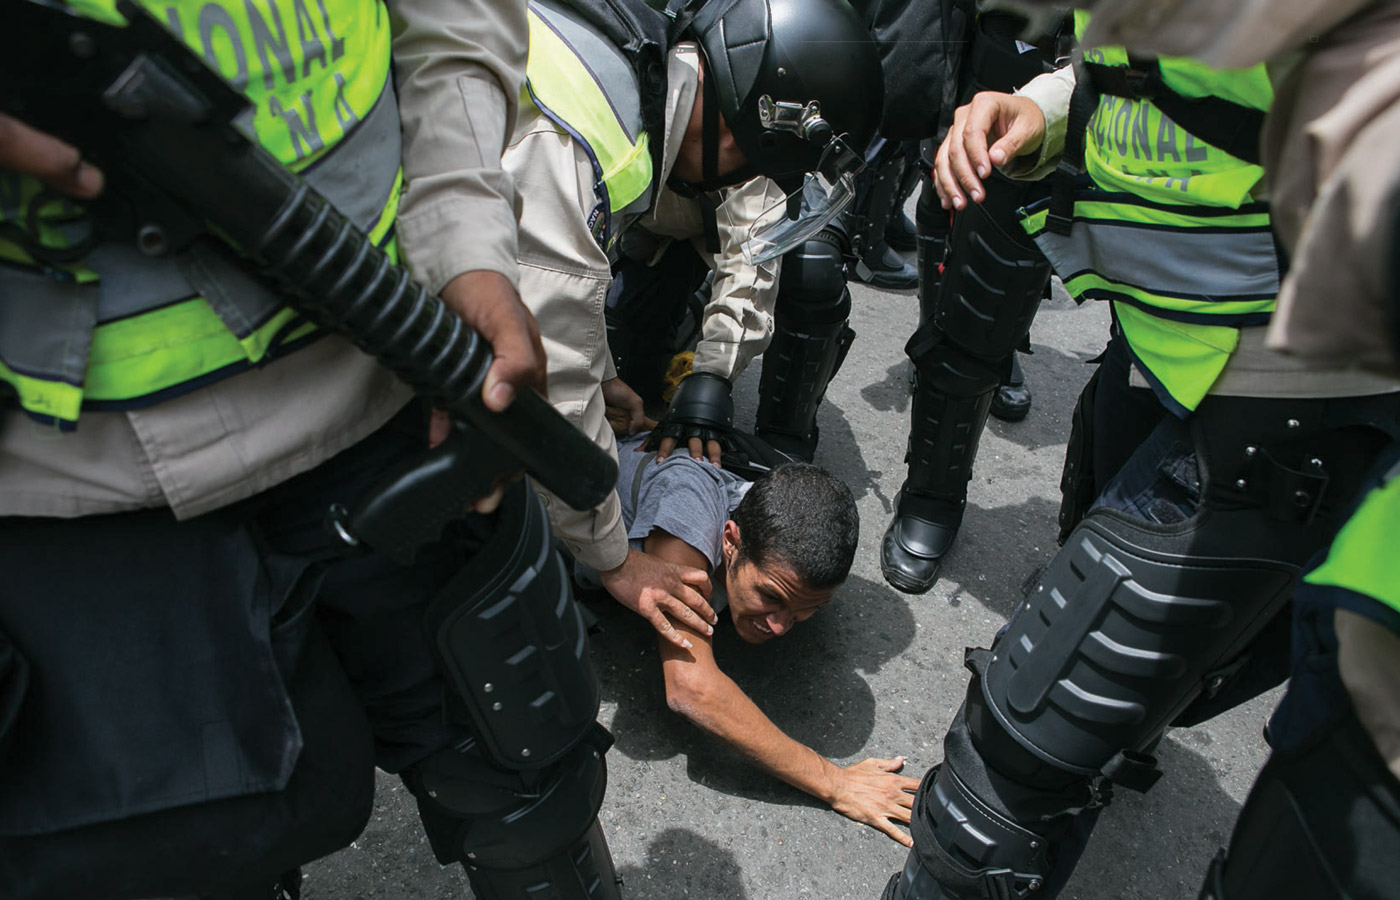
(205, 701)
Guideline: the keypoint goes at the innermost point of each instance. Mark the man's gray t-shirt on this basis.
(689, 498)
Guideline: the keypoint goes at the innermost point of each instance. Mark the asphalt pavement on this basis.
(877, 673)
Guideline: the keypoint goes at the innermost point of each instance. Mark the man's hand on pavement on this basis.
(1014, 125)
(873, 793)
(655, 589)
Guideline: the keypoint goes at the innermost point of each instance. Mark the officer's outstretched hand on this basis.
(489, 303)
(653, 589)
(32, 152)
(1013, 125)
(873, 793)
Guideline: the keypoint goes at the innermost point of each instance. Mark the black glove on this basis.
(703, 407)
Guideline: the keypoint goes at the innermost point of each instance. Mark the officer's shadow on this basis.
(681, 863)
(808, 682)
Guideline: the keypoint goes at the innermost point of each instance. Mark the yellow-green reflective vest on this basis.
(1169, 228)
(580, 81)
(117, 329)
(1363, 555)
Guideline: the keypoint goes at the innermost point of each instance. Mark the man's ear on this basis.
(732, 540)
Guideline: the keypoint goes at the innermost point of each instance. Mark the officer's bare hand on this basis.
(1013, 125)
(32, 152)
(654, 589)
(710, 450)
(873, 793)
(624, 409)
(488, 302)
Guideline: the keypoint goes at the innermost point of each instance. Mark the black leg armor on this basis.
(517, 802)
(990, 290)
(810, 340)
(1129, 624)
(879, 190)
(935, 225)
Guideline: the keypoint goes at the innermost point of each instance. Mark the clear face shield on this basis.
(824, 192)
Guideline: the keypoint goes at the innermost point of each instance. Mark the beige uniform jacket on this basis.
(564, 278)
(459, 67)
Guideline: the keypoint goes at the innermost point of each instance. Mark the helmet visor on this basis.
(775, 232)
(807, 210)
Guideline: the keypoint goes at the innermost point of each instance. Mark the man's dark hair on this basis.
(801, 515)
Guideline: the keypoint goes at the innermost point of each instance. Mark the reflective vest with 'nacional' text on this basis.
(1170, 229)
(115, 329)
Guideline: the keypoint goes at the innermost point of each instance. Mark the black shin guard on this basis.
(990, 291)
(809, 344)
(517, 802)
(520, 835)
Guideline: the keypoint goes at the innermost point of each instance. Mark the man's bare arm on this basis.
(870, 791)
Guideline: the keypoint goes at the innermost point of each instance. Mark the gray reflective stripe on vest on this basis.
(46, 325)
(607, 64)
(1173, 262)
(613, 75)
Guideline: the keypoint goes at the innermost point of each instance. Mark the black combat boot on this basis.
(1012, 402)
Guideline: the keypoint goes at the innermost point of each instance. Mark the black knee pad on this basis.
(993, 282)
(512, 643)
(810, 339)
(1120, 632)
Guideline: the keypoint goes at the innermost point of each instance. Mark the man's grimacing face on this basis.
(765, 602)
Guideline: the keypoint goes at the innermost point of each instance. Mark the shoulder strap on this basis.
(1229, 126)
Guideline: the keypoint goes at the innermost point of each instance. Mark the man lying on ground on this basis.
(776, 550)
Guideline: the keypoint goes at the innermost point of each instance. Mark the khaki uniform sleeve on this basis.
(564, 278)
(1051, 92)
(738, 322)
(460, 67)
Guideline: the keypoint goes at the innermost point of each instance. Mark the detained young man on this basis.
(776, 550)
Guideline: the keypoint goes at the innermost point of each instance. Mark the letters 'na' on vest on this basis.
(104, 327)
(1362, 557)
(585, 85)
(1169, 229)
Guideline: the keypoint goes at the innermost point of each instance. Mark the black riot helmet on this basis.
(791, 75)
(799, 85)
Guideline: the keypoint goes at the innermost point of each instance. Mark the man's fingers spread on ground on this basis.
(893, 831)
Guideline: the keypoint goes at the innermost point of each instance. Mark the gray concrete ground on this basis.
(878, 673)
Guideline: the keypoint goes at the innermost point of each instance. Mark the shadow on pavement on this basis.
(809, 683)
(1187, 810)
(681, 863)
